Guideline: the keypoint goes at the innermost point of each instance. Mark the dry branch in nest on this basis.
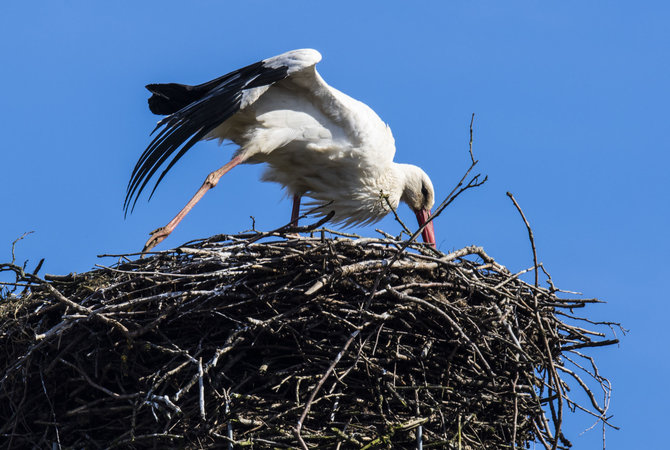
(271, 341)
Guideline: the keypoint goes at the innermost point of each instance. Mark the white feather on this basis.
(319, 142)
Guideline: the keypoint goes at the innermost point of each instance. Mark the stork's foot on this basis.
(156, 238)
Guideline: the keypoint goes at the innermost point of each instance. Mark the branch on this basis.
(530, 235)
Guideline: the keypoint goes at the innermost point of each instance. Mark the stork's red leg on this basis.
(295, 212)
(212, 179)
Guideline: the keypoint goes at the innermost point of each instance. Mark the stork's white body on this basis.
(316, 141)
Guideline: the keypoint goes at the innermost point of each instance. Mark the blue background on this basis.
(571, 103)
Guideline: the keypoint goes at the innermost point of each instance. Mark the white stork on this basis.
(316, 142)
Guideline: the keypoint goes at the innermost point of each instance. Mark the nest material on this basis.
(292, 342)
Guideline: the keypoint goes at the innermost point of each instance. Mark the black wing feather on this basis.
(194, 112)
(169, 98)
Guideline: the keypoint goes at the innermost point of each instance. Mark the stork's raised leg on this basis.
(212, 179)
(295, 212)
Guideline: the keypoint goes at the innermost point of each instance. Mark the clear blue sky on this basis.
(572, 102)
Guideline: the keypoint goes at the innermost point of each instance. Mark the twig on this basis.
(46, 394)
(201, 386)
(472, 156)
(15, 242)
(395, 213)
(308, 405)
(530, 235)
(516, 410)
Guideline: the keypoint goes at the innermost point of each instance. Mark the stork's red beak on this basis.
(428, 233)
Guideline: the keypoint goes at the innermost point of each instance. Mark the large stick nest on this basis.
(282, 342)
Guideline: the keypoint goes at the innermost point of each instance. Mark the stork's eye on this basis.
(424, 191)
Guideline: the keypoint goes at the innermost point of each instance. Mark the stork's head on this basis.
(419, 195)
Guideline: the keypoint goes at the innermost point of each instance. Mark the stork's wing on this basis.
(197, 110)
(367, 135)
